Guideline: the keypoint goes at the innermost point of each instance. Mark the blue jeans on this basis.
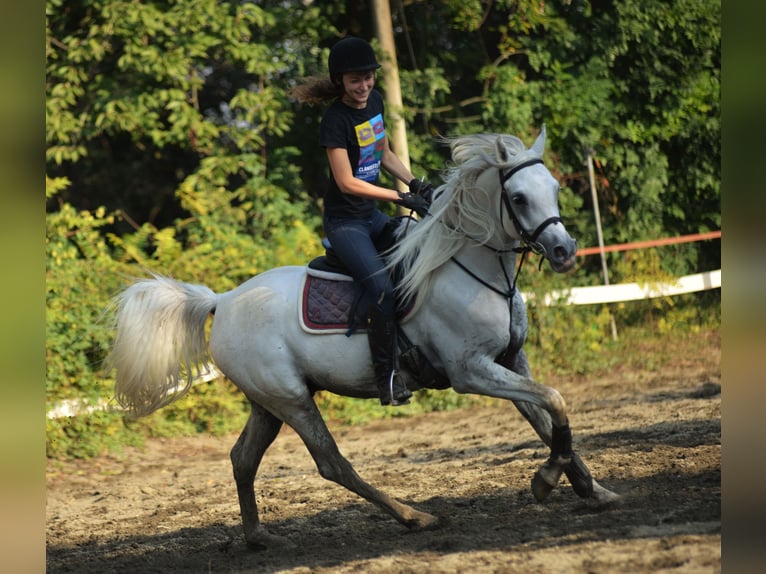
(356, 242)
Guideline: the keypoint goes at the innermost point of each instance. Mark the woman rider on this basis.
(353, 134)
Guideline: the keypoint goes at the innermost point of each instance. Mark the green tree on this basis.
(146, 99)
(160, 118)
(171, 144)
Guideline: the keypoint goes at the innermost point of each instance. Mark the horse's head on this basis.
(529, 207)
(496, 193)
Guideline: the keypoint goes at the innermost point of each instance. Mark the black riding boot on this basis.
(381, 334)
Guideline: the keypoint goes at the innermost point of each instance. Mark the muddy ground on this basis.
(654, 436)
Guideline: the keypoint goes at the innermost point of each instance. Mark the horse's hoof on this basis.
(262, 539)
(547, 477)
(540, 488)
(424, 521)
(604, 497)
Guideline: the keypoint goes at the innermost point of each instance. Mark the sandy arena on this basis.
(653, 436)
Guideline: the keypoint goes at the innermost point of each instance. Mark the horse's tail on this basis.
(160, 342)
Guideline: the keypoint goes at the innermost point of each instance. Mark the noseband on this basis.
(529, 239)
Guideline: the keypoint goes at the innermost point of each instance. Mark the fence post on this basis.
(600, 235)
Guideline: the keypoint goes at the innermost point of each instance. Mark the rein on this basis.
(511, 283)
(507, 295)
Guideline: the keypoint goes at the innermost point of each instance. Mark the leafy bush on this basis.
(88, 266)
(346, 410)
(575, 339)
(80, 278)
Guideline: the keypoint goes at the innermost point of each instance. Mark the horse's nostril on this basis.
(560, 252)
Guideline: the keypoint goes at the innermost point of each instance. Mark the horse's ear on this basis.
(539, 146)
(503, 155)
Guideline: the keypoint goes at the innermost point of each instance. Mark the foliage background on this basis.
(172, 146)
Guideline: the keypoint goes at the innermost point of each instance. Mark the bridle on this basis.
(528, 239)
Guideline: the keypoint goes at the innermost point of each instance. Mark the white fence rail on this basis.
(630, 291)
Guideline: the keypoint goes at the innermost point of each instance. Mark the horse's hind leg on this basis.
(260, 431)
(332, 465)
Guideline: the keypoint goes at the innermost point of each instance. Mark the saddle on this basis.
(330, 296)
(329, 300)
(330, 305)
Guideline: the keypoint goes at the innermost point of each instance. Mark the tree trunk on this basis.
(393, 93)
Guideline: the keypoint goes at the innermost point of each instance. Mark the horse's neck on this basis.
(495, 267)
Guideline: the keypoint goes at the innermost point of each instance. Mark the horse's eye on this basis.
(519, 199)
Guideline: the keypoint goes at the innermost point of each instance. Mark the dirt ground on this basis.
(652, 436)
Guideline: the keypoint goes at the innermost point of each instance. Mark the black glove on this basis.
(416, 203)
(423, 188)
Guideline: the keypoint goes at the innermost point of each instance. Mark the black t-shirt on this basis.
(362, 134)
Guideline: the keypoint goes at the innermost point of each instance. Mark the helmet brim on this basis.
(368, 68)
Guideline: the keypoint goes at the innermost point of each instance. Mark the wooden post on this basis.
(398, 132)
(599, 234)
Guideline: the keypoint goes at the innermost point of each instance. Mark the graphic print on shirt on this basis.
(370, 135)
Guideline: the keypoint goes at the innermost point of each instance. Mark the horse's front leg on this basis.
(560, 459)
(583, 483)
(561, 449)
(577, 472)
(486, 377)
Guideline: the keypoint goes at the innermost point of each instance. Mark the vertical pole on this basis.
(393, 94)
(600, 235)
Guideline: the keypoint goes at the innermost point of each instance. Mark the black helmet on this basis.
(351, 55)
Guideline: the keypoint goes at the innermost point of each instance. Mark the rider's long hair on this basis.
(316, 90)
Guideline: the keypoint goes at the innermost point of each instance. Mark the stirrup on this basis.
(388, 397)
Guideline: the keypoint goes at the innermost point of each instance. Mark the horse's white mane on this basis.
(461, 204)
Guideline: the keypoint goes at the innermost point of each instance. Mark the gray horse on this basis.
(467, 325)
